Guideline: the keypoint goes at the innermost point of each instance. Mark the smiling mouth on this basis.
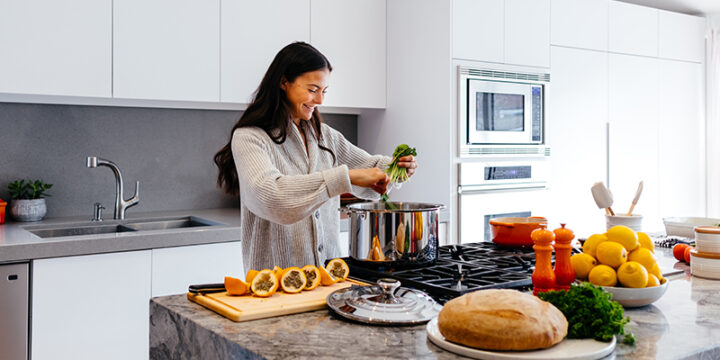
(308, 108)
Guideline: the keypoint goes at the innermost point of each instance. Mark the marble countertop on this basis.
(684, 323)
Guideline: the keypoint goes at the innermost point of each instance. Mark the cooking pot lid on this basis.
(385, 303)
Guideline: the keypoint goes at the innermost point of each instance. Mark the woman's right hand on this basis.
(373, 178)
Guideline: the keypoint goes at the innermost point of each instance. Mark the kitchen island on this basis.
(684, 323)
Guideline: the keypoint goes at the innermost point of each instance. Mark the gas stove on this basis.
(460, 269)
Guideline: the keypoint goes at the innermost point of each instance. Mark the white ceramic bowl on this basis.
(634, 297)
(707, 239)
(683, 226)
(705, 265)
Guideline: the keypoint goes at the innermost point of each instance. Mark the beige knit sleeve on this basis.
(272, 195)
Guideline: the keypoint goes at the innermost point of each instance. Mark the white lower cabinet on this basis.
(91, 307)
(97, 306)
(173, 269)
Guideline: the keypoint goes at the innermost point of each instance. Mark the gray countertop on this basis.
(684, 323)
(18, 244)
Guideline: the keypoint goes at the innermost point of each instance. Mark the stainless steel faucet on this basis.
(120, 204)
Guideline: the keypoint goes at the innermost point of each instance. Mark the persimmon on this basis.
(265, 283)
(679, 251)
(338, 269)
(686, 254)
(313, 276)
(293, 280)
(235, 286)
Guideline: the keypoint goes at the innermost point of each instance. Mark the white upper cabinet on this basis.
(682, 139)
(633, 88)
(252, 33)
(527, 32)
(56, 47)
(632, 29)
(578, 109)
(166, 50)
(478, 29)
(351, 34)
(681, 37)
(502, 31)
(580, 23)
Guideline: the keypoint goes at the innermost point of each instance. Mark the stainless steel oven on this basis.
(501, 112)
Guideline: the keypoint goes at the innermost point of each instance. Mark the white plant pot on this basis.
(28, 210)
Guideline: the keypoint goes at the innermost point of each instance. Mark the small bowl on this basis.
(515, 231)
(705, 265)
(707, 239)
(683, 226)
(635, 297)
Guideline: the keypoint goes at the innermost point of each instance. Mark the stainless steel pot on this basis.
(406, 236)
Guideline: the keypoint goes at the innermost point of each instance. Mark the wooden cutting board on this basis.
(248, 307)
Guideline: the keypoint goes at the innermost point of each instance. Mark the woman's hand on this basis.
(409, 163)
(373, 178)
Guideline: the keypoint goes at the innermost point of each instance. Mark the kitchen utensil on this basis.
(633, 221)
(385, 303)
(375, 231)
(635, 199)
(576, 349)
(683, 226)
(206, 288)
(248, 307)
(603, 197)
(515, 231)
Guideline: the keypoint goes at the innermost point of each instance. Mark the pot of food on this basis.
(515, 231)
(405, 236)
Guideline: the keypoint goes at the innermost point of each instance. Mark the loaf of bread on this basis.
(502, 320)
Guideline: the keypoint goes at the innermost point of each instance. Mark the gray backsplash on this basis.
(170, 151)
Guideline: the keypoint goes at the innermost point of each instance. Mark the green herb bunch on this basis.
(590, 312)
(21, 190)
(396, 173)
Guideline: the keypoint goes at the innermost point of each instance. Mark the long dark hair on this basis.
(269, 109)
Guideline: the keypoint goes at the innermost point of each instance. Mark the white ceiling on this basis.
(692, 7)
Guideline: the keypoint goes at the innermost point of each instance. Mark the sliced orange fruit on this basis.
(250, 275)
(236, 286)
(265, 283)
(325, 278)
(293, 280)
(278, 271)
(338, 269)
(313, 276)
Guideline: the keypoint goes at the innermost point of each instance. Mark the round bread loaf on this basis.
(502, 320)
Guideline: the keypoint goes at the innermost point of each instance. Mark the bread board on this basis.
(568, 349)
(248, 307)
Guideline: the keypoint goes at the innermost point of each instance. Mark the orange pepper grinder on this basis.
(543, 278)
(564, 273)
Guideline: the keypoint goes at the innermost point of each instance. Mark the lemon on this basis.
(592, 242)
(644, 256)
(645, 241)
(603, 275)
(655, 270)
(623, 235)
(582, 264)
(652, 281)
(611, 254)
(632, 274)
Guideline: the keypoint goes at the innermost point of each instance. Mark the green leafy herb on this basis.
(21, 190)
(396, 173)
(591, 312)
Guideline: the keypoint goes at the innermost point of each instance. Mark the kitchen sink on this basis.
(130, 225)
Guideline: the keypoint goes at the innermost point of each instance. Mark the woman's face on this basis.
(305, 93)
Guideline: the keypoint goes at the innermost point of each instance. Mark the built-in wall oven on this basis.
(501, 112)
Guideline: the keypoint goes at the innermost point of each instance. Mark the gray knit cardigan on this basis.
(290, 197)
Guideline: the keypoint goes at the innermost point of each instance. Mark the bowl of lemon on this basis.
(623, 262)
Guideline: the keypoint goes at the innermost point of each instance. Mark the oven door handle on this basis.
(479, 189)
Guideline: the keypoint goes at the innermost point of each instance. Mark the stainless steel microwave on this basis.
(502, 112)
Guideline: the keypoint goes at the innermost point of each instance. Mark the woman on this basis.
(289, 168)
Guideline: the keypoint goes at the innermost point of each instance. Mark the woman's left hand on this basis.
(409, 163)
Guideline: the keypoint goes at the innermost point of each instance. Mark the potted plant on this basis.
(28, 200)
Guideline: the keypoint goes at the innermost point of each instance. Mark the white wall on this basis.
(419, 95)
(713, 117)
